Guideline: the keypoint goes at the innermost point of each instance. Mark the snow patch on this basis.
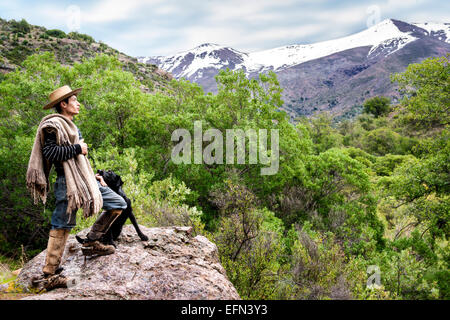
(436, 28)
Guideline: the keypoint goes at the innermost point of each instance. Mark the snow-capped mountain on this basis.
(185, 64)
(380, 41)
(390, 35)
(386, 33)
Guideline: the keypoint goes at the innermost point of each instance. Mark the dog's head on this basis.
(113, 180)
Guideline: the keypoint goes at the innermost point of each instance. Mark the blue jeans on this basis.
(63, 220)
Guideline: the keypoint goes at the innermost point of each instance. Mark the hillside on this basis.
(20, 39)
(346, 79)
(354, 210)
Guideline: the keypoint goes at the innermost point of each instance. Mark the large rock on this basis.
(170, 265)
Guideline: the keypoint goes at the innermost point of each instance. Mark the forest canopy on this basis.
(372, 191)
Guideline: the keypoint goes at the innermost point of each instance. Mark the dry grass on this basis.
(14, 296)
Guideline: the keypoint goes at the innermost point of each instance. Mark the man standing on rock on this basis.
(58, 141)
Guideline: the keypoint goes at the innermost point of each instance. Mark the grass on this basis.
(10, 264)
(8, 288)
(7, 279)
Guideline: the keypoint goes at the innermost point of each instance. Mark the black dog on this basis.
(114, 181)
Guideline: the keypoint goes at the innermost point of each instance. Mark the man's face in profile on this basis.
(72, 107)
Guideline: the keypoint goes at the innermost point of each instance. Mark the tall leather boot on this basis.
(92, 245)
(55, 249)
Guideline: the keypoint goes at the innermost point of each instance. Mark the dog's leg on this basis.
(131, 216)
(136, 226)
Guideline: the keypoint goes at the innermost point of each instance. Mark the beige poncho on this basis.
(82, 187)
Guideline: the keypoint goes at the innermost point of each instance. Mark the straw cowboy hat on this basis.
(59, 95)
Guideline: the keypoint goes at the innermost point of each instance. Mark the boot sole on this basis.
(91, 252)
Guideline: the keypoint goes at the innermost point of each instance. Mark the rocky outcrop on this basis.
(172, 264)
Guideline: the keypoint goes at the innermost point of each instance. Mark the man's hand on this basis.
(84, 147)
(100, 178)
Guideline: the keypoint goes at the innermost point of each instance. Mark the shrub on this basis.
(378, 106)
(249, 240)
(320, 269)
(384, 166)
(43, 36)
(18, 54)
(382, 141)
(56, 33)
(21, 26)
(80, 36)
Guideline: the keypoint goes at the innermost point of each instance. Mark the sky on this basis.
(165, 27)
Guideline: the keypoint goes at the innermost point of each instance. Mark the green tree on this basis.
(378, 106)
(426, 87)
(323, 135)
(308, 231)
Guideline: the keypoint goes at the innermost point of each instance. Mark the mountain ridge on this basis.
(388, 29)
(203, 62)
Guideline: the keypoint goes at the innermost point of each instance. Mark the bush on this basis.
(321, 132)
(403, 274)
(320, 270)
(56, 33)
(385, 166)
(21, 26)
(382, 141)
(44, 36)
(80, 36)
(250, 244)
(18, 54)
(378, 106)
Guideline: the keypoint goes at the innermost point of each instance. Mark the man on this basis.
(59, 142)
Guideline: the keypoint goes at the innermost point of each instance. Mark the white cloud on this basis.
(157, 27)
(402, 4)
(114, 10)
(235, 26)
(421, 17)
(247, 11)
(242, 40)
(342, 16)
(165, 9)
